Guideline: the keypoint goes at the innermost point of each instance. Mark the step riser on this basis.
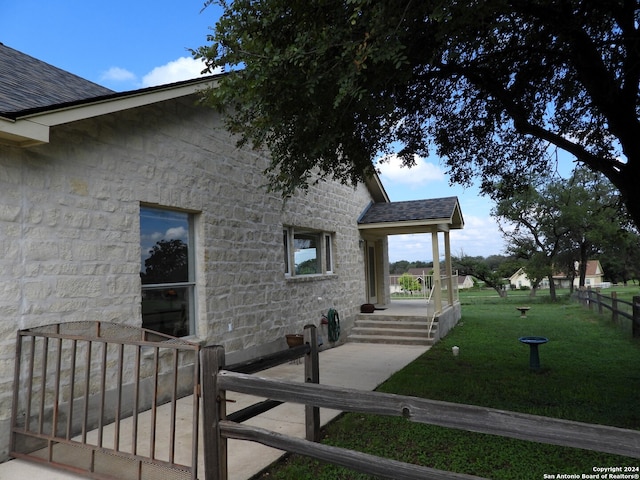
(389, 318)
(393, 325)
(388, 329)
(389, 340)
(391, 332)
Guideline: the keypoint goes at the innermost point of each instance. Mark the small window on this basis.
(167, 271)
(307, 252)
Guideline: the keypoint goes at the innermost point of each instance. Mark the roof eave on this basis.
(411, 227)
(33, 128)
(375, 187)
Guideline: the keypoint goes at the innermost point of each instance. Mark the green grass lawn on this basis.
(590, 373)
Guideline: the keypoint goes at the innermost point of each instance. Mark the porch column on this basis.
(437, 284)
(448, 268)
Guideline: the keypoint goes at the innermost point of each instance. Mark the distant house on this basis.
(594, 277)
(424, 276)
(520, 279)
(465, 281)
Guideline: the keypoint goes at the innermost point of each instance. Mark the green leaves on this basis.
(333, 84)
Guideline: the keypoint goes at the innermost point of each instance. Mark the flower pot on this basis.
(294, 339)
(367, 308)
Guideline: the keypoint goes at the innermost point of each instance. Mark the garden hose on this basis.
(334, 325)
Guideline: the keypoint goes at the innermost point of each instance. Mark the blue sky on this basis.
(141, 43)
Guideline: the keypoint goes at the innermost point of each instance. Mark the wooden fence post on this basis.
(589, 302)
(635, 325)
(214, 409)
(581, 299)
(600, 298)
(312, 375)
(614, 307)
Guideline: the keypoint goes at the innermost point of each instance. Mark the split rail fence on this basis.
(620, 309)
(219, 427)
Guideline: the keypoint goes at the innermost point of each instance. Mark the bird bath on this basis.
(533, 342)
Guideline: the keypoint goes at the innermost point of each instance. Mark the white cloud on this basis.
(184, 68)
(155, 236)
(479, 237)
(117, 74)
(176, 233)
(391, 170)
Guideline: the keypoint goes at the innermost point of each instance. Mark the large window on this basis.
(307, 252)
(167, 271)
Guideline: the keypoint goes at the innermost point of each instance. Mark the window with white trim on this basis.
(307, 252)
(167, 271)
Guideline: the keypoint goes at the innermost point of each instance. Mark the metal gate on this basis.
(107, 401)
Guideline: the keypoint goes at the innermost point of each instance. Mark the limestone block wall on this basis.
(70, 234)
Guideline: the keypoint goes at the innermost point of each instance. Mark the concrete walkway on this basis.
(354, 365)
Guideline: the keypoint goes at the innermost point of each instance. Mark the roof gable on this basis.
(35, 96)
(594, 268)
(415, 216)
(27, 83)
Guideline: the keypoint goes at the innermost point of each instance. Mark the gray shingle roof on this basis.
(414, 210)
(27, 83)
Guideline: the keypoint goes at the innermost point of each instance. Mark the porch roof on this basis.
(415, 216)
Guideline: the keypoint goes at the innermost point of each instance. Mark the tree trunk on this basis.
(627, 182)
(552, 288)
(583, 264)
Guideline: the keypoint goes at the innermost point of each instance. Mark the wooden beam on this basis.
(214, 410)
(312, 375)
(522, 426)
(362, 462)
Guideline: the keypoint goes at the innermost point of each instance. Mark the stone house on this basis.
(137, 208)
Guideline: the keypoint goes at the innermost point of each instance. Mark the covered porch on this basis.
(395, 319)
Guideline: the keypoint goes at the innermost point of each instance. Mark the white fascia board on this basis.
(34, 128)
(105, 107)
(22, 133)
(375, 186)
(407, 227)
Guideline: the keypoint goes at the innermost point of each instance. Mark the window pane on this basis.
(166, 310)
(165, 271)
(164, 240)
(307, 258)
(327, 253)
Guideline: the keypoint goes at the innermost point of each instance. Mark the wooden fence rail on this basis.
(618, 307)
(465, 417)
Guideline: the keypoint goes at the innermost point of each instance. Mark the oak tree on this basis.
(494, 88)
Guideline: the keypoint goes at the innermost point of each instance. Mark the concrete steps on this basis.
(398, 330)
